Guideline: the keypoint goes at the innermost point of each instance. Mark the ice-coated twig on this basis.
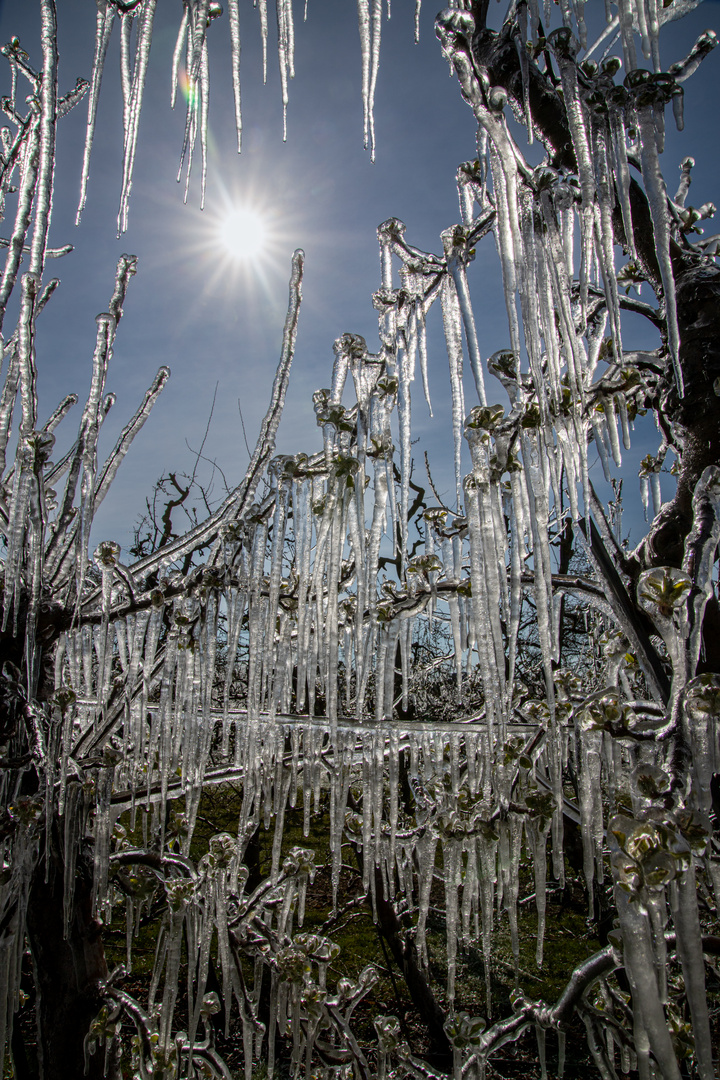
(73, 97)
(704, 45)
(26, 355)
(50, 253)
(46, 149)
(243, 494)
(59, 413)
(128, 433)
(26, 194)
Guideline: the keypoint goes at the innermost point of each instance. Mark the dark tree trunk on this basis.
(402, 947)
(68, 971)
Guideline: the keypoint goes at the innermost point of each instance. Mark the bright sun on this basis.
(243, 233)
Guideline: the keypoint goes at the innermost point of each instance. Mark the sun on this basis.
(242, 242)
(243, 233)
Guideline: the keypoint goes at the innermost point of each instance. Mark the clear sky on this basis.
(214, 322)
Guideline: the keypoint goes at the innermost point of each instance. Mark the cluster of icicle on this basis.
(146, 671)
(477, 796)
(191, 72)
(190, 69)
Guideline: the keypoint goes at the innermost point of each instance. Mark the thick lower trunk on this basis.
(68, 972)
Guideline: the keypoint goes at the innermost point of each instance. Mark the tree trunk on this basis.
(68, 971)
(402, 947)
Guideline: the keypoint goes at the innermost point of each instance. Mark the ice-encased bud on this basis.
(563, 43)
(223, 848)
(485, 418)
(210, 1004)
(388, 1033)
(662, 591)
(41, 443)
(451, 25)
(392, 229)
(292, 964)
(604, 711)
(650, 782)
(63, 698)
(106, 554)
(353, 345)
(464, 1030)
(367, 978)
(497, 99)
(300, 861)
(179, 893)
(701, 697)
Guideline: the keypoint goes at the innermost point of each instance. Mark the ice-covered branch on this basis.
(241, 498)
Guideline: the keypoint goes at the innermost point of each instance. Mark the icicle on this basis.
(508, 238)
(657, 201)
(262, 10)
(453, 341)
(591, 811)
(456, 267)
(204, 104)
(370, 28)
(285, 52)
(520, 44)
(126, 25)
(234, 19)
(177, 54)
(565, 47)
(625, 12)
(621, 173)
(105, 17)
(536, 829)
(142, 56)
(637, 951)
(452, 862)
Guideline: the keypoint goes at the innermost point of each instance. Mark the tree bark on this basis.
(68, 971)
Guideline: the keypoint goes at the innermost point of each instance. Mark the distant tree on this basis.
(292, 640)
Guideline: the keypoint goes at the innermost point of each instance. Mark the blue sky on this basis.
(213, 323)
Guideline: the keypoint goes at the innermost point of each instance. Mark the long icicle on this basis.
(105, 19)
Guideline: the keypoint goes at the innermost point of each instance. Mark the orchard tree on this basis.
(284, 642)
